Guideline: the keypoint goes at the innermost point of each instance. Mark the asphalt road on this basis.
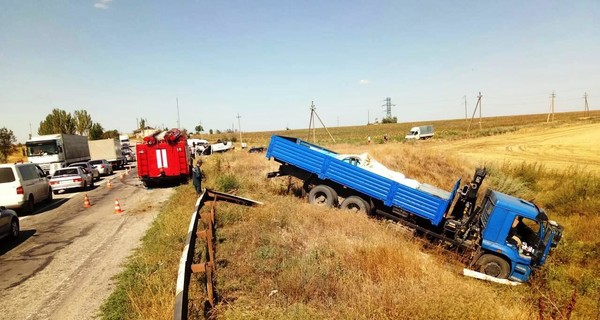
(62, 264)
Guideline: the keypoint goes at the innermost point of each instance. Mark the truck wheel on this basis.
(493, 265)
(323, 195)
(356, 204)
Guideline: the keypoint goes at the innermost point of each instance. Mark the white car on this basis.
(71, 178)
(104, 167)
(22, 185)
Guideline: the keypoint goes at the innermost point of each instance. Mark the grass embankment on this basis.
(291, 260)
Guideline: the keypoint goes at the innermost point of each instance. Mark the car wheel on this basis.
(14, 229)
(28, 207)
(49, 199)
(91, 185)
(84, 186)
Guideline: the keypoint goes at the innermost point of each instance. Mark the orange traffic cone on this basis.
(117, 207)
(108, 184)
(86, 202)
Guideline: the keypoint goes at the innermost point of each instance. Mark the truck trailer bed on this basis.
(426, 201)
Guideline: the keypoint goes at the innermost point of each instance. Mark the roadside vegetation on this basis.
(291, 260)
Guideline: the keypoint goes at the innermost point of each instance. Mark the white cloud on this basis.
(364, 82)
(102, 4)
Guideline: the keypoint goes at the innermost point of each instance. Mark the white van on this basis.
(22, 185)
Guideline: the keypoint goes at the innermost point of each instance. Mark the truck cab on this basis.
(421, 132)
(516, 231)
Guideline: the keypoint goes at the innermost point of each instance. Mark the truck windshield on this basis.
(41, 148)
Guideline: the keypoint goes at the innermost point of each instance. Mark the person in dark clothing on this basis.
(197, 177)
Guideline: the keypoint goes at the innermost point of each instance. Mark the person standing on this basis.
(197, 177)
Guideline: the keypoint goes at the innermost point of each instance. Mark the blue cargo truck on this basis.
(505, 237)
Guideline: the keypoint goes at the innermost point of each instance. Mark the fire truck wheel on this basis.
(493, 265)
(356, 204)
(323, 195)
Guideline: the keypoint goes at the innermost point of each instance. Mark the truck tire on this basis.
(356, 204)
(493, 265)
(323, 195)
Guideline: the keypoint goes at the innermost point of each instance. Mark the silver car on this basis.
(9, 224)
(71, 178)
(87, 166)
(104, 167)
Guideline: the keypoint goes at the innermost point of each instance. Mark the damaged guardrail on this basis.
(187, 263)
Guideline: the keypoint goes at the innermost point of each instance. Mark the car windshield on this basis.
(96, 162)
(66, 172)
(39, 148)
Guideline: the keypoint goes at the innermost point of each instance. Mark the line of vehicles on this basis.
(58, 162)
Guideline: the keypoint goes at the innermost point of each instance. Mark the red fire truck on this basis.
(163, 158)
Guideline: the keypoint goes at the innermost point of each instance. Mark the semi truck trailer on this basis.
(505, 237)
(55, 151)
(108, 149)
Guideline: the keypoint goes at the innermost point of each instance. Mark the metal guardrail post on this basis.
(186, 265)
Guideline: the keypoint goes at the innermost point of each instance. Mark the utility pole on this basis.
(586, 110)
(31, 132)
(466, 116)
(477, 106)
(551, 112)
(240, 128)
(178, 124)
(311, 123)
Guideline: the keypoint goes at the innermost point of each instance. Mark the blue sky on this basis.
(267, 60)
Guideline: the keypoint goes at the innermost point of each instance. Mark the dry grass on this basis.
(291, 260)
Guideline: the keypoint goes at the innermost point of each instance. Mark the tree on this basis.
(83, 122)
(111, 134)
(59, 121)
(96, 131)
(7, 138)
(142, 123)
(210, 131)
(199, 128)
(389, 120)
